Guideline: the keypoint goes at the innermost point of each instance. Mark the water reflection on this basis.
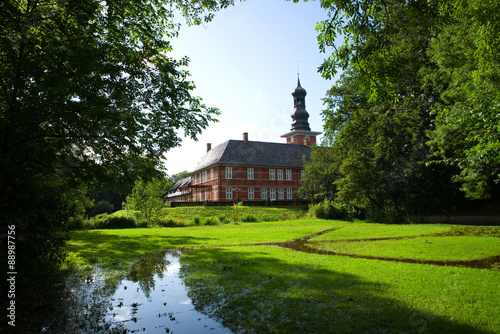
(151, 298)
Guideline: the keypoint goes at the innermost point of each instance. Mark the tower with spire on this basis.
(300, 133)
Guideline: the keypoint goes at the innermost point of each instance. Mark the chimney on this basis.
(245, 137)
(209, 147)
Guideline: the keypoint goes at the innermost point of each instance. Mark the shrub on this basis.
(142, 223)
(109, 222)
(224, 220)
(119, 222)
(210, 221)
(327, 210)
(249, 219)
(76, 223)
(164, 222)
(381, 217)
(101, 207)
(197, 221)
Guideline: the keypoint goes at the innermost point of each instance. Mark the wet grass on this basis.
(362, 230)
(275, 290)
(270, 289)
(129, 244)
(424, 248)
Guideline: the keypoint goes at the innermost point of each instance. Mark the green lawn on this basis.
(130, 243)
(275, 290)
(269, 289)
(361, 230)
(425, 248)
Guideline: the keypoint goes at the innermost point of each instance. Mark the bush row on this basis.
(105, 221)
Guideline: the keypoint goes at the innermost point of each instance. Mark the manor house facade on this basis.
(251, 170)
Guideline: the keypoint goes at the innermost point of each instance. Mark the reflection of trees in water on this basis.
(144, 270)
(81, 306)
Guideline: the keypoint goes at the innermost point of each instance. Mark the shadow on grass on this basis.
(258, 292)
(97, 245)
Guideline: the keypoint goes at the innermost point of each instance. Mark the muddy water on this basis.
(151, 298)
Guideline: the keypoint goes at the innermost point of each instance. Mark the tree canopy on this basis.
(88, 89)
(416, 106)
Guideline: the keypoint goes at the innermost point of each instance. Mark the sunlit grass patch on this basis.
(360, 230)
(131, 243)
(268, 289)
(424, 248)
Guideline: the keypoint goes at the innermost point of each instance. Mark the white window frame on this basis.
(272, 174)
(229, 173)
(263, 193)
(302, 175)
(195, 179)
(272, 194)
(281, 193)
(288, 174)
(250, 173)
(229, 193)
(211, 173)
(289, 193)
(215, 194)
(251, 193)
(280, 174)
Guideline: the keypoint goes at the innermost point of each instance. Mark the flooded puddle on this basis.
(151, 298)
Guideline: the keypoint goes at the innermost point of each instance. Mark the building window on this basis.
(280, 174)
(229, 172)
(272, 174)
(302, 175)
(250, 173)
(215, 194)
(195, 179)
(288, 174)
(229, 193)
(289, 193)
(281, 193)
(250, 193)
(263, 193)
(272, 194)
(211, 174)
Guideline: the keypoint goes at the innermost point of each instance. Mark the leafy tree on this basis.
(87, 90)
(432, 68)
(380, 112)
(176, 177)
(322, 172)
(467, 56)
(147, 197)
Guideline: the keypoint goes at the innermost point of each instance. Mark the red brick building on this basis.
(251, 170)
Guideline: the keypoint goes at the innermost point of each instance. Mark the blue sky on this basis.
(244, 62)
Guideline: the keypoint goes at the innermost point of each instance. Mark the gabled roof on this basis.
(253, 153)
(176, 188)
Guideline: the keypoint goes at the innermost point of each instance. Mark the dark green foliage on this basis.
(101, 207)
(248, 218)
(211, 221)
(111, 222)
(88, 92)
(414, 116)
(327, 210)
